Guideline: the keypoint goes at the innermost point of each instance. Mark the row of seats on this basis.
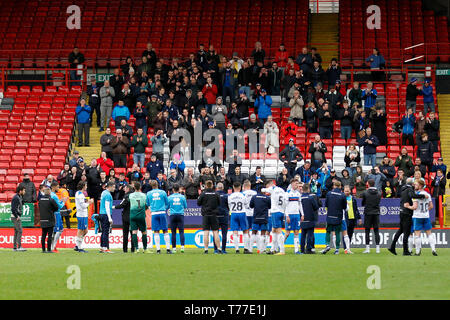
(175, 27)
(403, 24)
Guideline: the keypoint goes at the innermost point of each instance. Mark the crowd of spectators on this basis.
(212, 91)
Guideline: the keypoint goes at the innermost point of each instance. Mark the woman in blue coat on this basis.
(263, 103)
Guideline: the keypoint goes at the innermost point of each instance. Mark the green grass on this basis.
(192, 275)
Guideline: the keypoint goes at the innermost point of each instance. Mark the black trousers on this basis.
(125, 232)
(407, 138)
(47, 232)
(405, 229)
(307, 238)
(120, 160)
(223, 225)
(104, 239)
(177, 222)
(351, 224)
(372, 221)
(67, 221)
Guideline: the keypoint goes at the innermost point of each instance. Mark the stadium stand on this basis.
(36, 127)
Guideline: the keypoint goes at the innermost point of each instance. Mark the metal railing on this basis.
(51, 76)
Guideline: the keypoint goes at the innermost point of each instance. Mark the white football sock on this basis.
(79, 241)
(254, 238)
(367, 247)
(411, 242)
(347, 242)
(265, 241)
(296, 242)
(55, 239)
(334, 241)
(274, 242)
(281, 242)
(157, 241)
(378, 248)
(150, 244)
(432, 240)
(167, 240)
(418, 243)
(246, 241)
(236, 241)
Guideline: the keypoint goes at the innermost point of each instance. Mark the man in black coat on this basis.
(125, 205)
(317, 149)
(371, 203)
(407, 194)
(425, 151)
(30, 194)
(209, 201)
(291, 156)
(432, 129)
(47, 209)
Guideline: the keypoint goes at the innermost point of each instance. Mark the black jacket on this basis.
(209, 200)
(406, 196)
(125, 205)
(371, 201)
(322, 149)
(310, 207)
(30, 191)
(47, 209)
(425, 152)
(432, 129)
(290, 155)
(16, 206)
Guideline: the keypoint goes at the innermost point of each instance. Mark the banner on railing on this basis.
(27, 215)
(194, 239)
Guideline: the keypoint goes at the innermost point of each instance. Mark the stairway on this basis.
(443, 101)
(324, 35)
(94, 150)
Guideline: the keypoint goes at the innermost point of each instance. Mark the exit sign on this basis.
(443, 72)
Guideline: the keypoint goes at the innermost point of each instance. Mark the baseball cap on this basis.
(80, 159)
(263, 90)
(252, 116)
(427, 81)
(291, 139)
(441, 159)
(258, 84)
(210, 123)
(413, 80)
(333, 170)
(76, 152)
(241, 91)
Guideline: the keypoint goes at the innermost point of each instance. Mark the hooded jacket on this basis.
(371, 201)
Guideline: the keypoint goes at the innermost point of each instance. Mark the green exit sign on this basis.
(443, 72)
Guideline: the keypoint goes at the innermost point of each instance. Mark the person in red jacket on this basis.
(105, 163)
(291, 65)
(281, 57)
(210, 93)
(288, 131)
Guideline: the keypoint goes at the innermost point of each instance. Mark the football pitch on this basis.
(193, 275)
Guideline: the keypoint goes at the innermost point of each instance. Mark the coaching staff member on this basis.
(371, 203)
(47, 209)
(223, 216)
(308, 219)
(16, 213)
(209, 200)
(125, 205)
(406, 196)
